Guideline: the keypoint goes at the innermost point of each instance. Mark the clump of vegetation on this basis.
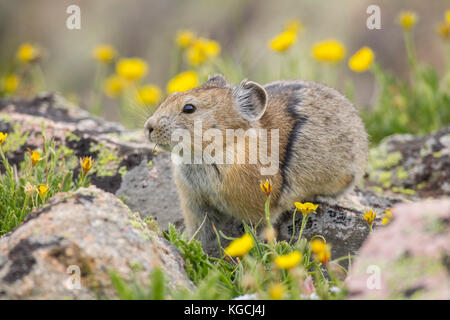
(267, 268)
(41, 175)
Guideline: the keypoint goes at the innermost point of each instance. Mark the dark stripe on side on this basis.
(300, 120)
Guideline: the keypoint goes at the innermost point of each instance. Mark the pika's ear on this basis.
(251, 100)
(216, 81)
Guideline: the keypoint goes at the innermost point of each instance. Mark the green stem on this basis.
(267, 208)
(304, 220)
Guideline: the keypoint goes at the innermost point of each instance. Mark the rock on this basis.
(88, 233)
(341, 224)
(413, 166)
(115, 149)
(410, 258)
(151, 191)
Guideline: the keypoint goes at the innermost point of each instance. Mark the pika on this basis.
(322, 148)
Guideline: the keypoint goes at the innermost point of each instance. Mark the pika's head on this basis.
(215, 104)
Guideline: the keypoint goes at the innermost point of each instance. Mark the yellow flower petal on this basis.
(241, 246)
(3, 137)
(148, 94)
(283, 41)
(182, 82)
(407, 19)
(331, 51)
(104, 53)
(11, 83)
(288, 261)
(114, 86)
(131, 69)
(27, 53)
(276, 291)
(361, 60)
(306, 208)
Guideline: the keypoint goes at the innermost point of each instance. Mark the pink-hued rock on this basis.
(409, 258)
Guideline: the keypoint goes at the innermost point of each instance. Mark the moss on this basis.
(72, 137)
(107, 162)
(5, 117)
(437, 154)
(402, 174)
(405, 191)
(123, 171)
(16, 139)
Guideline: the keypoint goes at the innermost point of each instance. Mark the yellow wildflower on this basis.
(407, 19)
(182, 82)
(35, 157)
(241, 246)
(306, 208)
(447, 16)
(11, 83)
(288, 261)
(27, 53)
(148, 94)
(104, 53)
(329, 51)
(42, 190)
(3, 137)
(370, 216)
(86, 164)
(361, 60)
(113, 86)
(444, 30)
(283, 41)
(131, 69)
(276, 291)
(321, 250)
(201, 50)
(294, 25)
(184, 38)
(266, 187)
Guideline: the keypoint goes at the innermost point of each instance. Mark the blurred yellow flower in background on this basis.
(288, 261)
(361, 60)
(3, 137)
(131, 69)
(283, 41)
(276, 291)
(240, 246)
(329, 51)
(444, 30)
(27, 53)
(148, 94)
(201, 50)
(184, 38)
(11, 83)
(294, 25)
(35, 157)
(407, 19)
(321, 250)
(113, 86)
(104, 53)
(182, 82)
(447, 16)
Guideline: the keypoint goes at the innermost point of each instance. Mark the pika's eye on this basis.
(188, 108)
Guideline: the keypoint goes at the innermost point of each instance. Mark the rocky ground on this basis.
(71, 228)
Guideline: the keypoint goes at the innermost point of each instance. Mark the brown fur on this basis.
(322, 147)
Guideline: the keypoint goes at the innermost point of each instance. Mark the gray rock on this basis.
(150, 190)
(88, 233)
